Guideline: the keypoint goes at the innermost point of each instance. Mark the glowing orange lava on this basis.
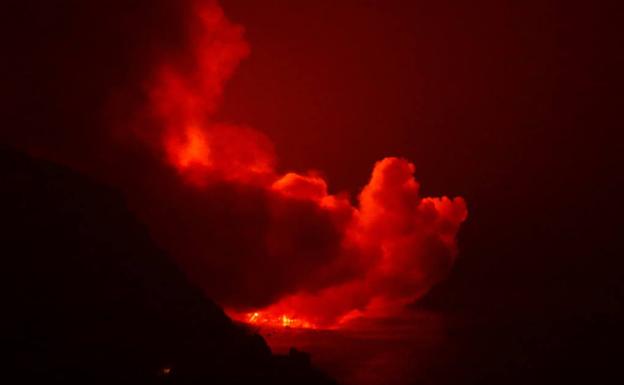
(269, 320)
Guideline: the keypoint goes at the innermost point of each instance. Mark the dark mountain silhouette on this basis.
(88, 298)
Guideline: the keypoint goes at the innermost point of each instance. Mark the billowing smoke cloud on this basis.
(279, 247)
(128, 92)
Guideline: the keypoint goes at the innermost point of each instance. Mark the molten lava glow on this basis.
(274, 321)
(271, 319)
(380, 254)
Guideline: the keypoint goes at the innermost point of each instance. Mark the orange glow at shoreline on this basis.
(266, 319)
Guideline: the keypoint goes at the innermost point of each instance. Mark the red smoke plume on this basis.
(292, 253)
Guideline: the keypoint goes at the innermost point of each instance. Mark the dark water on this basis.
(393, 351)
(429, 348)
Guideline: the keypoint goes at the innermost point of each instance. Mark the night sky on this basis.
(514, 106)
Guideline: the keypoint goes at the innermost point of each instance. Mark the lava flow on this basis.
(280, 249)
(264, 319)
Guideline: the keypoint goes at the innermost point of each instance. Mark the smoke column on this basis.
(280, 248)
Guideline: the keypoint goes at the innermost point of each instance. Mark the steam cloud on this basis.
(132, 100)
(285, 245)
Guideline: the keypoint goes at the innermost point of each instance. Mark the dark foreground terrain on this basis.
(88, 299)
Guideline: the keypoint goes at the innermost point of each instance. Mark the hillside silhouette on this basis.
(88, 298)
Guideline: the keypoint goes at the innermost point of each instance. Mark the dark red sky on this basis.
(512, 105)
(467, 91)
(474, 94)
